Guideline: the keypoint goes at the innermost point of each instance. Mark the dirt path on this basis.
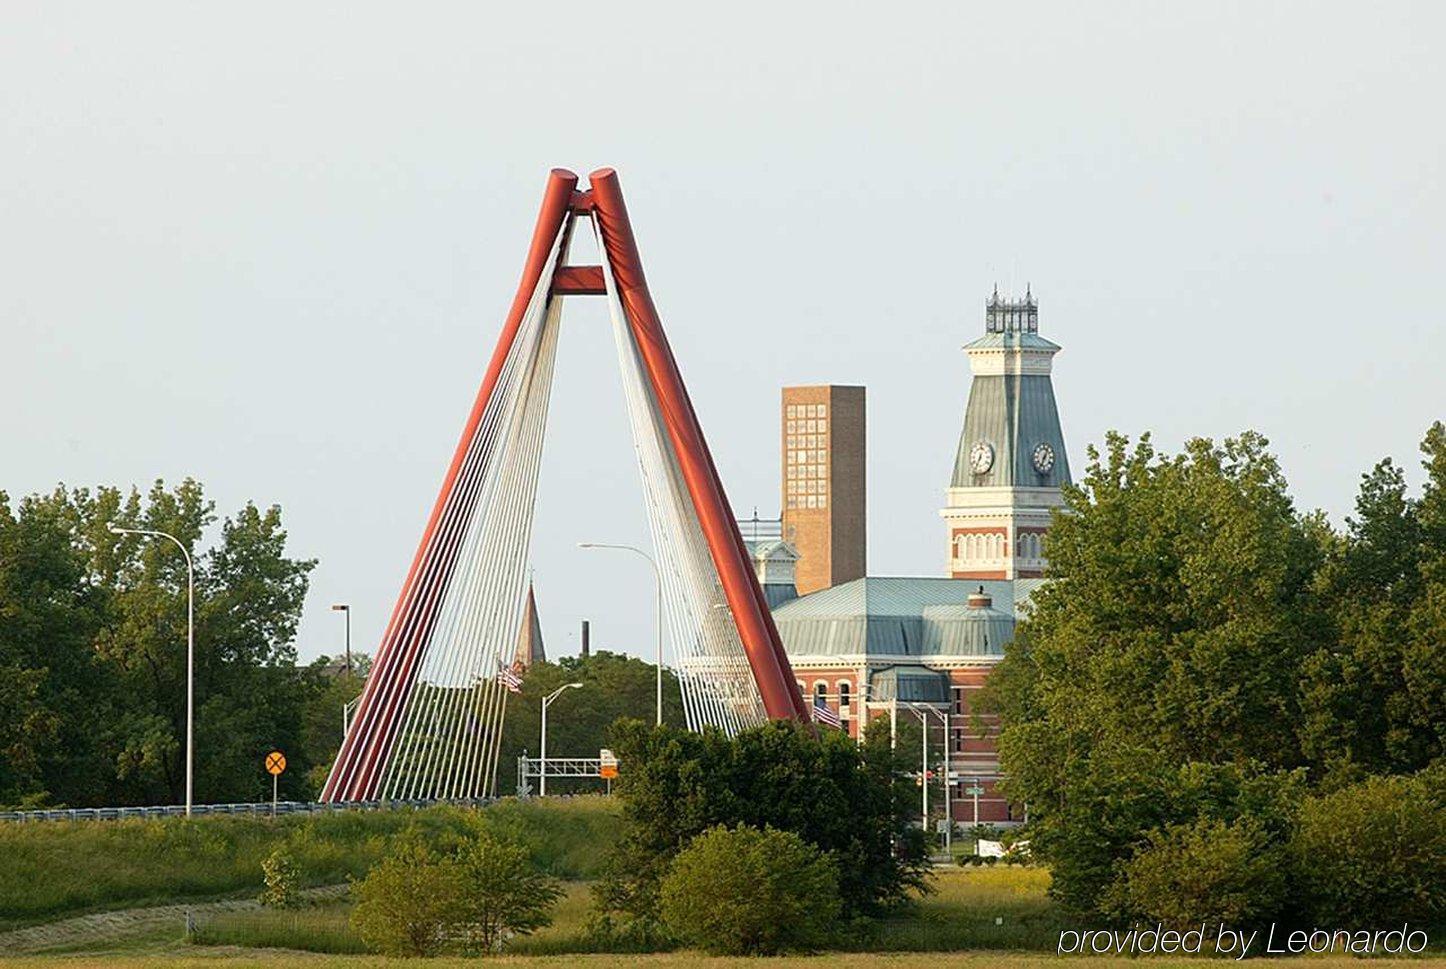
(100, 928)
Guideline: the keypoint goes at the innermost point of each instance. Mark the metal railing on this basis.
(256, 808)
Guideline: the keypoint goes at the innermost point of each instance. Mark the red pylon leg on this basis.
(365, 748)
(771, 669)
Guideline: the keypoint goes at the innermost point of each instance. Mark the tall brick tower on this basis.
(823, 483)
(1011, 461)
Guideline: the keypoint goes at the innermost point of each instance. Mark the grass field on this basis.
(51, 870)
(242, 959)
(985, 911)
(960, 914)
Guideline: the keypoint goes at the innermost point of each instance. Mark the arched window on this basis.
(820, 694)
(843, 693)
(959, 546)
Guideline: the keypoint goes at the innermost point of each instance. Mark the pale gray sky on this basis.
(270, 246)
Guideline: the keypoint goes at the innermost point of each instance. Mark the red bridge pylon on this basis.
(429, 720)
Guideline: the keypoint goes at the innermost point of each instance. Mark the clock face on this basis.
(981, 457)
(1043, 458)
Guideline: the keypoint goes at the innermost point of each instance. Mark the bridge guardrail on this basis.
(253, 808)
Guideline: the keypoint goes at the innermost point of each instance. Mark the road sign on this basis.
(607, 764)
(973, 790)
(608, 771)
(275, 764)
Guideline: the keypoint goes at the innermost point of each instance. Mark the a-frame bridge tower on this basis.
(430, 719)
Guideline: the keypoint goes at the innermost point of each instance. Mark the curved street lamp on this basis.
(657, 608)
(190, 647)
(547, 702)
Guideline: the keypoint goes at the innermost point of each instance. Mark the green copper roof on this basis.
(1013, 340)
(900, 617)
(1013, 414)
(908, 684)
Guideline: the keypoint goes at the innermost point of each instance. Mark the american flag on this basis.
(823, 714)
(509, 679)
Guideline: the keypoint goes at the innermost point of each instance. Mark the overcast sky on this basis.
(270, 245)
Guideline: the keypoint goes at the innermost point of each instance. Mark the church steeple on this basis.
(530, 649)
(1011, 459)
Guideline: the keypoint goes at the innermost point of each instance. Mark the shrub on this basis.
(1207, 871)
(743, 890)
(1375, 852)
(283, 880)
(420, 901)
(502, 894)
(407, 903)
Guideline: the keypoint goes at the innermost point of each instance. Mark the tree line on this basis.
(1222, 707)
(93, 652)
(93, 659)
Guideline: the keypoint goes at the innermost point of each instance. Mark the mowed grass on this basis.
(51, 870)
(241, 959)
(960, 914)
(977, 908)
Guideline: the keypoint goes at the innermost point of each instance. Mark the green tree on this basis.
(851, 801)
(92, 639)
(54, 696)
(321, 728)
(614, 687)
(746, 891)
(503, 895)
(1374, 697)
(1168, 643)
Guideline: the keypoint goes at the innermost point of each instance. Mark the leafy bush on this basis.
(1375, 852)
(406, 904)
(746, 891)
(283, 880)
(420, 901)
(1211, 871)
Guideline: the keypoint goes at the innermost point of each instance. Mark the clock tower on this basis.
(1011, 461)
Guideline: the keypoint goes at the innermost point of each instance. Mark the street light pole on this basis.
(343, 607)
(922, 711)
(547, 702)
(924, 768)
(190, 648)
(657, 609)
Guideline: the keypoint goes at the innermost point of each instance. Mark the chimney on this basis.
(586, 644)
(980, 599)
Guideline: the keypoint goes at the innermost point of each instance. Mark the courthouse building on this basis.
(902, 646)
